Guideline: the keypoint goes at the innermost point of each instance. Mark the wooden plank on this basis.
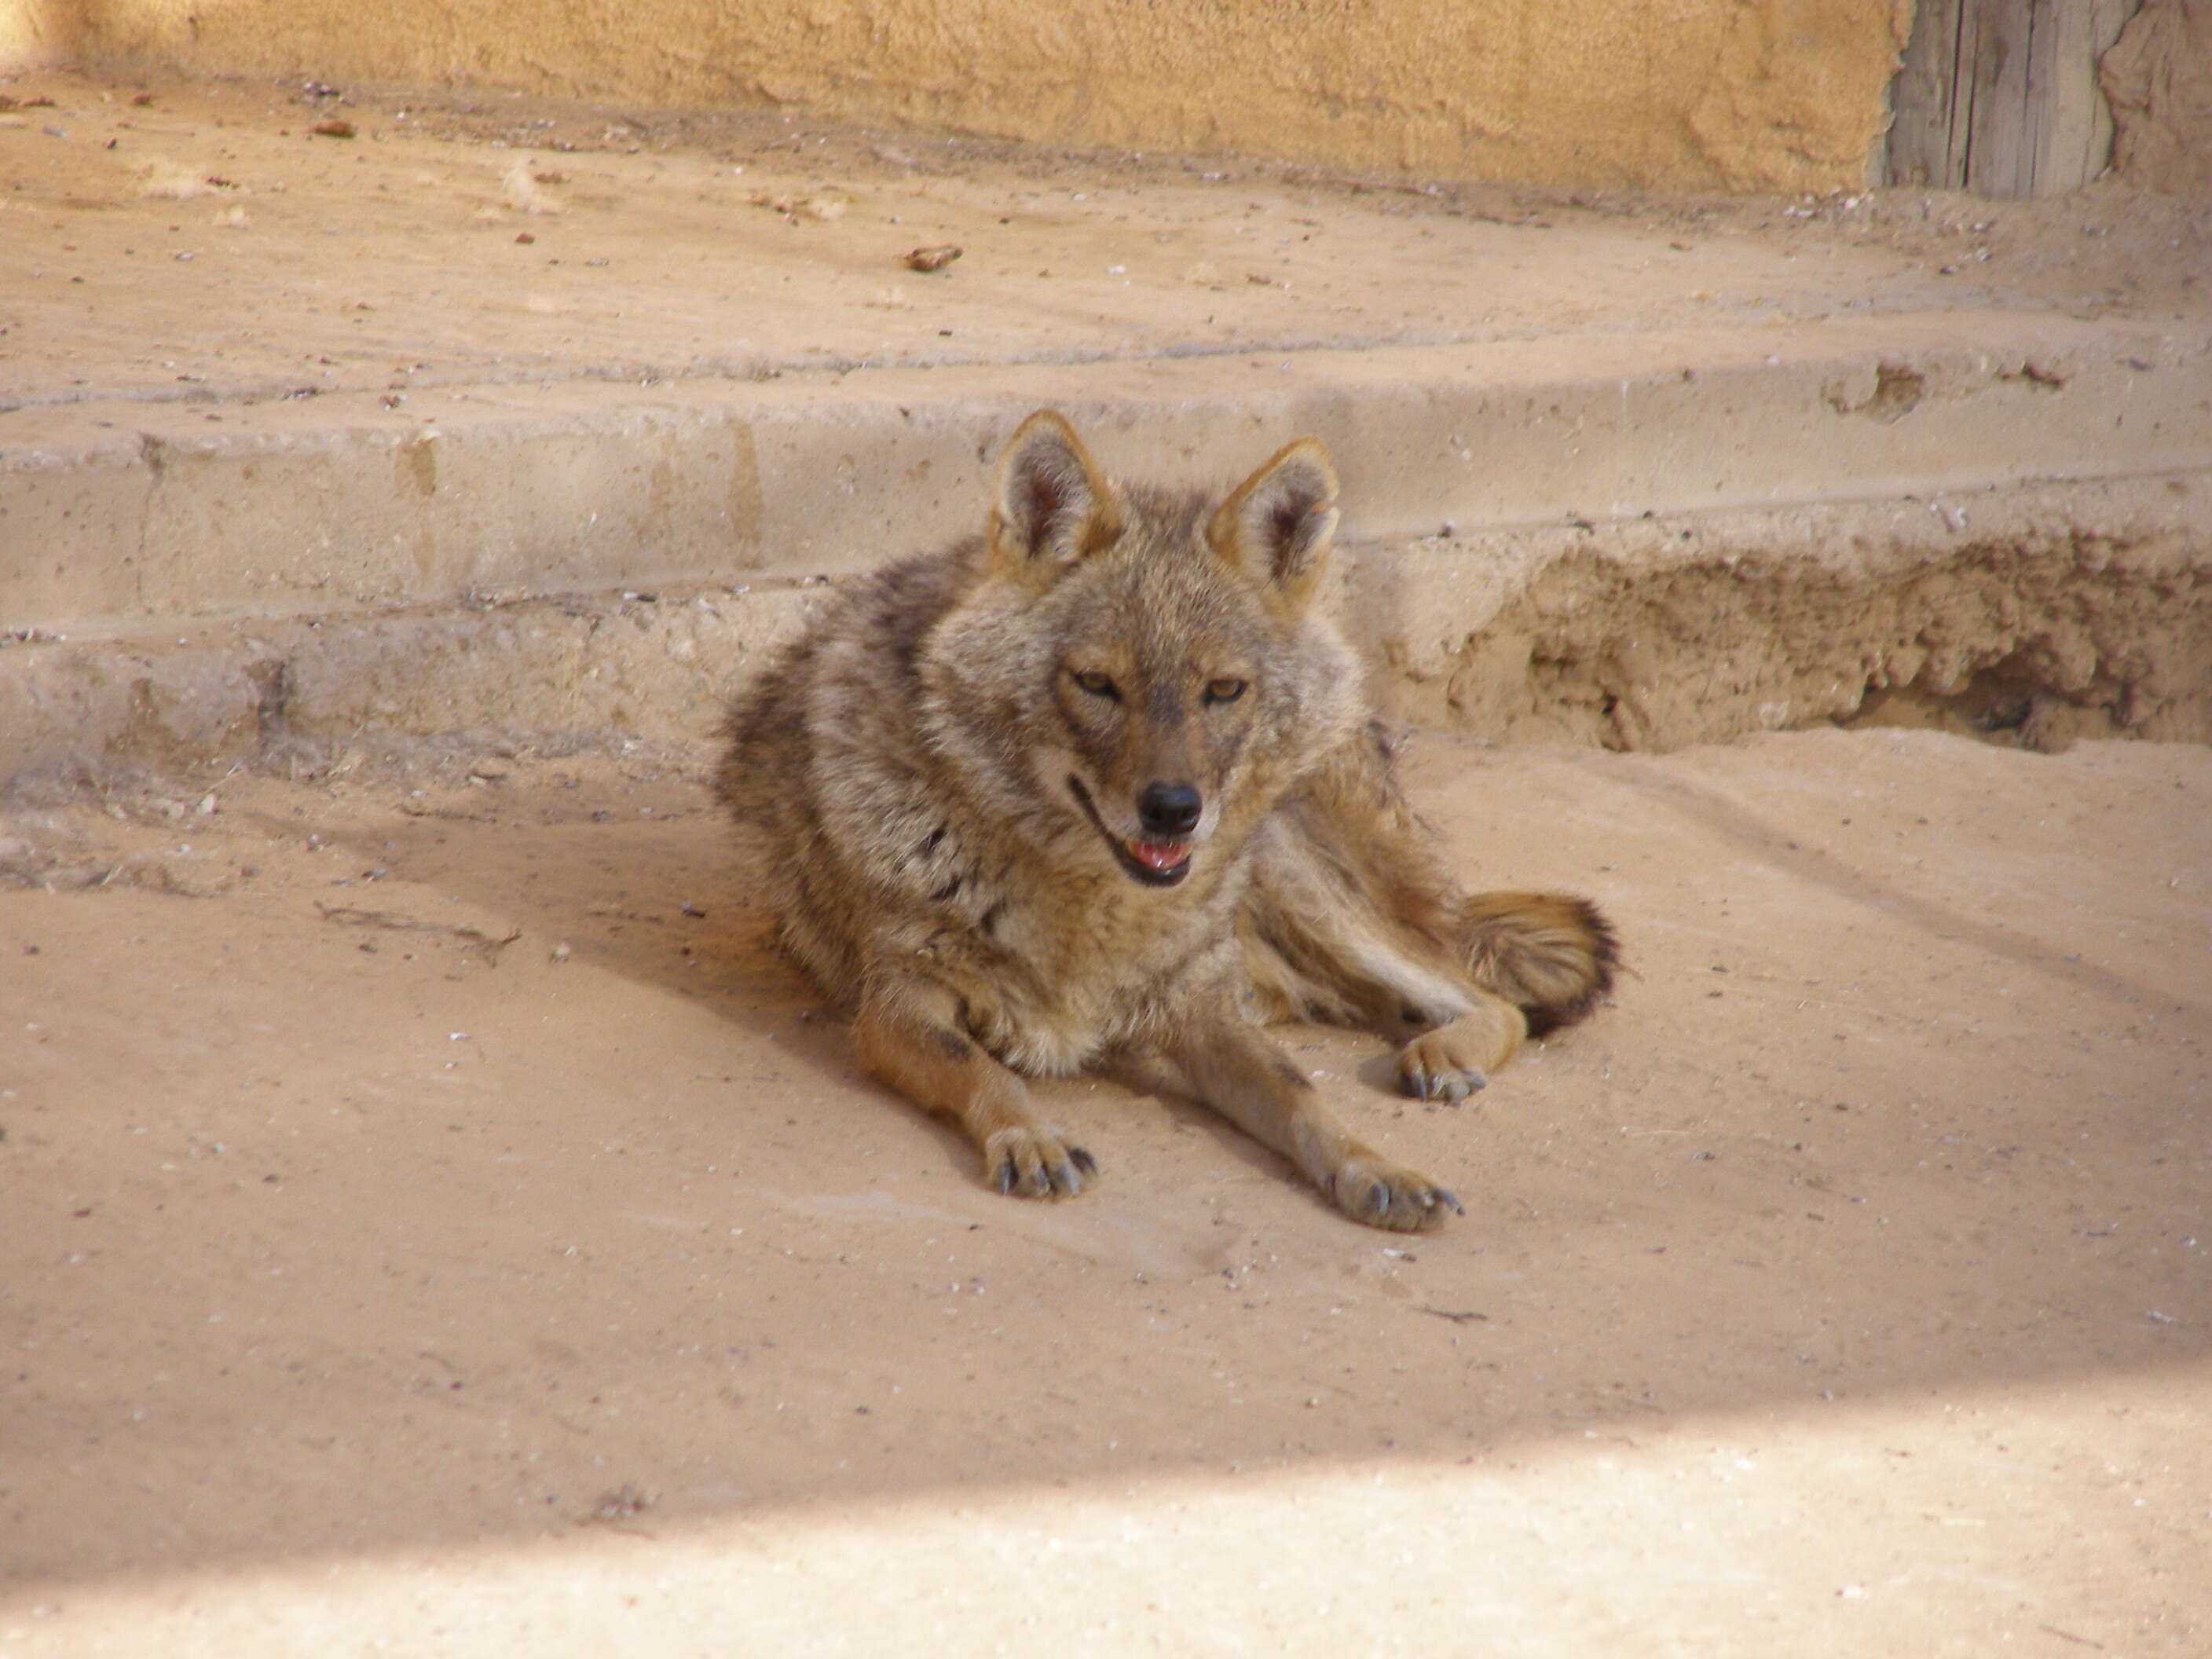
(2074, 137)
(2062, 32)
(1918, 151)
(1966, 52)
(1997, 154)
(2000, 97)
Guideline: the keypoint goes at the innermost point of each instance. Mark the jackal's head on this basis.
(1140, 674)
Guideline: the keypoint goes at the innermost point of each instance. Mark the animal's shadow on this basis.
(661, 893)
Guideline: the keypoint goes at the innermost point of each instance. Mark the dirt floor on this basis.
(208, 241)
(436, 1221)
(432, 1220)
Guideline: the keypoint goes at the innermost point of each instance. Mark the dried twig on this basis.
(349, 915)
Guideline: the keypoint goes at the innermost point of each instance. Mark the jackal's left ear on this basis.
(1054, 505)
(1276, 527)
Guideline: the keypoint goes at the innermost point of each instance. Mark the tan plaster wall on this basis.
(1683, 95)
(37, 33)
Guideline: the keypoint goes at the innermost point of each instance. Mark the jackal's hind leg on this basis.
(917, 1047)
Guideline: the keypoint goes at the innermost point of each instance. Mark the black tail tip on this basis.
(1600, 946)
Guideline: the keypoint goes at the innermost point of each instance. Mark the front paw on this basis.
(1035, 1161)
(1430, 1070)
(1451, 1062)
(1381, 1193)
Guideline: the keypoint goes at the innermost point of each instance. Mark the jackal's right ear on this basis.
(1276, 527)
(1053, 507)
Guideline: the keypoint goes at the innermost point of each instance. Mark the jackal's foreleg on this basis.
(1449, 1061)
(911, 1038)
(1225, 1064)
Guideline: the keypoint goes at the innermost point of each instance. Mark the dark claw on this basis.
(1005, 1176)
(1083, 1161)
(1445, 1196)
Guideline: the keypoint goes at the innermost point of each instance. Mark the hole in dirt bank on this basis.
(2014, 704)
(2034, 644)
(1897, 392)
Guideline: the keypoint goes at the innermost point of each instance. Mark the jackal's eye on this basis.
(1224, 691)
(1098, 684)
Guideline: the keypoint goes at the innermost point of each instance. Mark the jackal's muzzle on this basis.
(1159, 856)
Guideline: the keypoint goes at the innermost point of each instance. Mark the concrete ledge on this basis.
(558, 673)
(2046, 612)
(126, 517)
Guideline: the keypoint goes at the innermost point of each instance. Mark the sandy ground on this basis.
(210, 245)
(432, 1220)
(437, 1222)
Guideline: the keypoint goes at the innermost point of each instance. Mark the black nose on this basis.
(1168, 811)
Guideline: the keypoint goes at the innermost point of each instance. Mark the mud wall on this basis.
(2159, 78)
(38, 33)
(1679, 94)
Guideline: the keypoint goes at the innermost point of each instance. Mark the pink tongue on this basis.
(1160, 855)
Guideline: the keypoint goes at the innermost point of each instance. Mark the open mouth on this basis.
(1155, 863)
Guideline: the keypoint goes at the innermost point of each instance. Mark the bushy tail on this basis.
(1551, 956)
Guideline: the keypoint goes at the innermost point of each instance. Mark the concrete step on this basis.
(2043, 612)
(127, 516)
(717, 392)
(328, 566)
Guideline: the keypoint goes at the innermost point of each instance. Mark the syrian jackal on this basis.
(1098, 791)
